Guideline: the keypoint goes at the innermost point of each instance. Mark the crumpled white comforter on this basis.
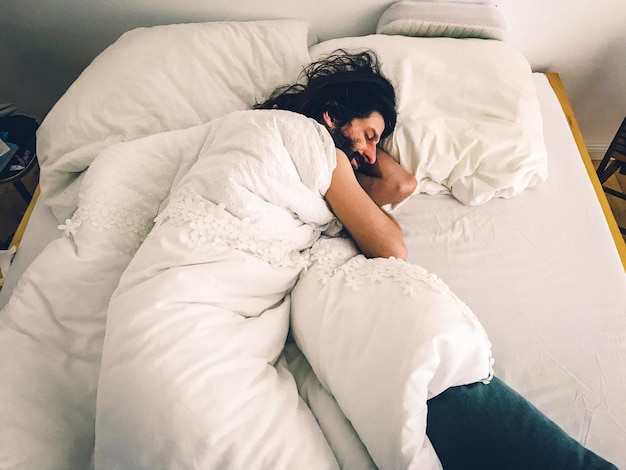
(155, 330)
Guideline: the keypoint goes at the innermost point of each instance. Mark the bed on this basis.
(146, 326)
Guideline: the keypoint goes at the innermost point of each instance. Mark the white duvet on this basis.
(154, 332)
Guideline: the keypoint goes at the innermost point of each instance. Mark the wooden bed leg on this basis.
(19, 233)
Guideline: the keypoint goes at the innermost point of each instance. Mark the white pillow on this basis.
(469, 120)
(158, 79)
(383, 336)
(451, 19)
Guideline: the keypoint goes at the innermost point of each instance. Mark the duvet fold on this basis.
(190, 374)
(383, 336)
(152, 335)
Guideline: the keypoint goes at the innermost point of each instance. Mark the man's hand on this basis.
(385, 181)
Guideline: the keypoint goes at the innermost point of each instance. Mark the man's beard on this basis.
(347, 145)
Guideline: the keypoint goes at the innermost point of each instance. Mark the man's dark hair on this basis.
(347, 85)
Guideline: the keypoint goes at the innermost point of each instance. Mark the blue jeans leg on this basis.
(491, 426)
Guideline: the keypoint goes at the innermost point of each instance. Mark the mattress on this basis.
(540, 271)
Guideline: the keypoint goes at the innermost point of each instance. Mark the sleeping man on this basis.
(347, 94)
(485, 426)
(152, 334)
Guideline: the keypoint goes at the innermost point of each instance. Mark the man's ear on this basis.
(329, 121)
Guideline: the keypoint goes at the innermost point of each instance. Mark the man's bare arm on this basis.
(386, 182)
(375, 233)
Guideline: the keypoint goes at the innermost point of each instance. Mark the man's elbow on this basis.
(404, 188)
(407, 186)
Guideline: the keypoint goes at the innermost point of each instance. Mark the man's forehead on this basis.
(374, 122)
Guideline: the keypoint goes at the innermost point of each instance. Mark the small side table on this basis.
(22, 132)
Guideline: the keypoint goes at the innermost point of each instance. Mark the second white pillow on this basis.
(468, 114)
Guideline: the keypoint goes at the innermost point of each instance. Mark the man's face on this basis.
(358, 138)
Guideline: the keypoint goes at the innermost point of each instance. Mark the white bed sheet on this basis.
(553, 302)
(542, 274)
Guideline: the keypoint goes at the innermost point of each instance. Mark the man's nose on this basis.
(369, 153)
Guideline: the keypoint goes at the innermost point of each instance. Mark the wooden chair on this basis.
(614, 160)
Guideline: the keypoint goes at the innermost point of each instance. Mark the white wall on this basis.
(585, 41)
(44, 45)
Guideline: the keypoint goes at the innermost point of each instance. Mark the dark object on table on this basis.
(19, 132)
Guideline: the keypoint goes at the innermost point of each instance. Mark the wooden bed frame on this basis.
(19, 232)
(557, 86)
(559, 90)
